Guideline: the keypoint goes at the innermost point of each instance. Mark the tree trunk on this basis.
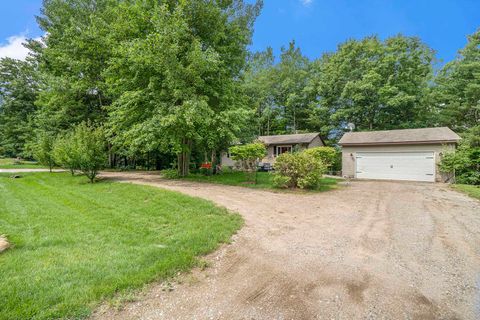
(214, 160)
(184, 158)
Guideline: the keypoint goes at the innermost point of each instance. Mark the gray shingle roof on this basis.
(404, 136)
(288, 138)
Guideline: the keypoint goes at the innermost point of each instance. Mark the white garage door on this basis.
(415, 166)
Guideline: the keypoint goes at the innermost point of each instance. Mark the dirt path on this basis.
(370, 250)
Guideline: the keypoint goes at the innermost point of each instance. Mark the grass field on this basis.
(472, 191)
(77, 244)
(264, 180)
(9, 163)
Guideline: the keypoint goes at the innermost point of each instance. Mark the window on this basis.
(282, 149)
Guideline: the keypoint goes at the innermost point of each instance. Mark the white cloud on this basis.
(306, 2)
(14, 48)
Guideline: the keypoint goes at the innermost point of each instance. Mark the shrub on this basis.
(90, 148)
(65, 152)
(248, 156)
(327, 155)
(170, 174)
(298, 170)
(465, 162)
(43, 150)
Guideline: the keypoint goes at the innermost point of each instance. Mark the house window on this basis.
(283, 149)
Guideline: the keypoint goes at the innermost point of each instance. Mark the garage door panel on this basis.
(416, 166)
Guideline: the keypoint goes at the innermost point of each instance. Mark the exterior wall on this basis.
(317, 142)
(226, 161)
(349, 155)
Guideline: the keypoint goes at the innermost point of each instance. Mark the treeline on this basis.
(173, 83)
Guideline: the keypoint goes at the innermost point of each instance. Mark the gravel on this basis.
(370, 250)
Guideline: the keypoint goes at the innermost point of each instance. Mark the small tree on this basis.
(90, 145)
(43, 150)
(298, 170)
(65, 152)
(248, 156)
(327, 155)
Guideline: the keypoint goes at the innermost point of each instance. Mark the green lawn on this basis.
(472, 191)
(264, 180)
(77, 244)
(9, 163)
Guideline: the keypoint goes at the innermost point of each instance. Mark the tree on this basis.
(43, 150)
(178, 78)
(248, 156)
(276, 91)
(456, 95)
(66, 152)
(90, 149)
(374, 84)
(18, 92)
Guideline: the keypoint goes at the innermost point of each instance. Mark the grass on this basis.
(264, 180)
(77, 244)
(472, 191)
(10, 163)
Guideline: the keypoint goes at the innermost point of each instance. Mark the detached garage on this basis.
(410, 154)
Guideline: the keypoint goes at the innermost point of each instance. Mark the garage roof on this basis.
(288, 138)
(404, 136)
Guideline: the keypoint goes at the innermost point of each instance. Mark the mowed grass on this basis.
(472, 191)
(264, 180)
(77, 244)
(9, 163)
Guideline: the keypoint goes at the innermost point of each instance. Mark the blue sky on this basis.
(317, 26)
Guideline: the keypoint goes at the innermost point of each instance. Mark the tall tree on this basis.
(178, 78)
(457, 90)
(18, 92)
(74, 54)
(375, 84)
(276, 91)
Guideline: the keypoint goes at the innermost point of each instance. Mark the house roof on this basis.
(404, 136)
(288, 138)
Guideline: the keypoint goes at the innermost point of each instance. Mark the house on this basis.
(409, 154)
(279, 144)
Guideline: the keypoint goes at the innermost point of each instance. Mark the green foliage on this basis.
(465, 161)
(170, 174)
(326, 155)
(375, 84)
(456, 96)
(90, 149)
(298, 170)
(77, 245)
(66, 152)
(248, 152)
(43, 149)
(175, 82)
(248, 155)
(18, 92)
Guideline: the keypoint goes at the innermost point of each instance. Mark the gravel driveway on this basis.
(370, 250)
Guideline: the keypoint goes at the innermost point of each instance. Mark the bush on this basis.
(298, 170)
(465, 162)
(170, 173)
(43, 150)
(65, 152)
(90, 148)
(327, 155)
